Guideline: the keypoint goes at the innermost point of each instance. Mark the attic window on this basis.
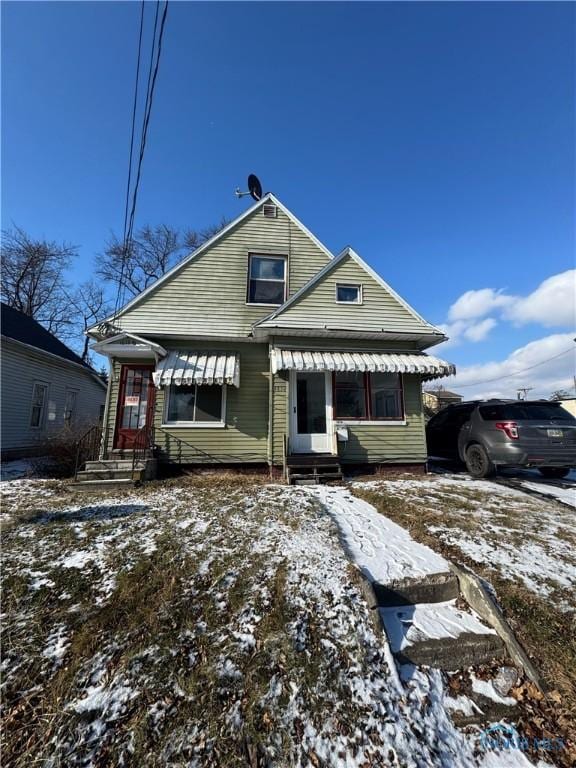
(347, 293)
(269, 211)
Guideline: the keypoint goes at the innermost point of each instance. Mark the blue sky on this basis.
(435, 138)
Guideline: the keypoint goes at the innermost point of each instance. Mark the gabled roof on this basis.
(268, 198)
(348, 252)
(24, 329)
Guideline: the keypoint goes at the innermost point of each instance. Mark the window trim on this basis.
(195, 424)
(261, 255)
(349, 285)
(42, 422)
(75, 408)
(370, 420)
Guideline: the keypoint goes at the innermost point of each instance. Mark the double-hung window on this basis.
(368, 396)
(196, 405)
(39, 397)
(266, 279)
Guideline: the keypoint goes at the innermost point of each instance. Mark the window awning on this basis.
(183, 367)
(302, 360)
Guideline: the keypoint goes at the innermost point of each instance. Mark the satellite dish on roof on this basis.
(254, 188)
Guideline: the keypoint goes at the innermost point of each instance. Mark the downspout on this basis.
(270, 417)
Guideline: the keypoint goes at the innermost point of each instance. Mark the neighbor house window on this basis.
(368, 396)
(193, 404)
(266, 279)
(70, 407)
(347, 293)
(39, 396)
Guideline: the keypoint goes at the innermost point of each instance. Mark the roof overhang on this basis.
(421, 340)
(427, 366)
(129, 346)
(186, 367)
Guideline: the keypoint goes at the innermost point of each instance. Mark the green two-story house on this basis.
(262, 346)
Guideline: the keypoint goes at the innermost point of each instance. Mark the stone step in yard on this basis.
(98, 485)
(439, 635)
(429, 588)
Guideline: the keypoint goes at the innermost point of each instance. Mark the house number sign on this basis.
(130, 400)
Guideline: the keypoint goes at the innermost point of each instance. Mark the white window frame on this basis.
(194, 424)
(264, 280)
(42, 420)
(72, 391)
(349, 285)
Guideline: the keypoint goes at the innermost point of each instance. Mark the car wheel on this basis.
(552, 472)
(478, 462)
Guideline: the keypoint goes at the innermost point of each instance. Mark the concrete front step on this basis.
(429, 588)
(439, 635)
(108, 474)
(111, 464)
(99, 485)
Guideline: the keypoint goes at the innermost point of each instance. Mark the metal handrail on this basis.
(143, 440)
(88, 446)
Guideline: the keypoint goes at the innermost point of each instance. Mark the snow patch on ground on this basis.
(523, 537)
(383, 551)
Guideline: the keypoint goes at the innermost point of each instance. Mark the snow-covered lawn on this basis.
(202, 623)
(518, 535)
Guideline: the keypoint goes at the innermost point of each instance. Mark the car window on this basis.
(525, 412)
(460, 416)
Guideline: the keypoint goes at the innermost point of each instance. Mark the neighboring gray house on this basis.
(45, 386)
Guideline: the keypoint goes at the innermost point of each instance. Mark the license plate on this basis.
(555, 433)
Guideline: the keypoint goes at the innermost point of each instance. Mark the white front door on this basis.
(310, 412)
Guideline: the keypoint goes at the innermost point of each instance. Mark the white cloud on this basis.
(462, 330)
(553, 303)
(474, 304)
(480, 331)
(487, 380)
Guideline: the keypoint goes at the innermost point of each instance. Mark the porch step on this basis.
(112, 464)
(109, 474)
(99, 485)
(311, 470)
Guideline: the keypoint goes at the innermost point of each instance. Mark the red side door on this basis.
(135, 403)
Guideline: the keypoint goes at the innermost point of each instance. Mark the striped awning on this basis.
(183, 367)
(301, 360)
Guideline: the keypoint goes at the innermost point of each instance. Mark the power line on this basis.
(156, 48)
(132, 132)
(147, 118)
(516, 373)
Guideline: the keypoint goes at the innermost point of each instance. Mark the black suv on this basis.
(490, 434)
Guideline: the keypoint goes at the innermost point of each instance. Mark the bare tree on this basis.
(560, 394)
(33, 278)
(148, 255)
(90, 305)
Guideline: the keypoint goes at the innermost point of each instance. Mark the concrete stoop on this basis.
(116, 472)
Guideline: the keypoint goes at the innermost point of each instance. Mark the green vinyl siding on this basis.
(396, 443)
(244, 438)
(379, 311)
(207, 296)
(280, 416)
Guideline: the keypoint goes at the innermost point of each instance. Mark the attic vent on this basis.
(269, 211)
